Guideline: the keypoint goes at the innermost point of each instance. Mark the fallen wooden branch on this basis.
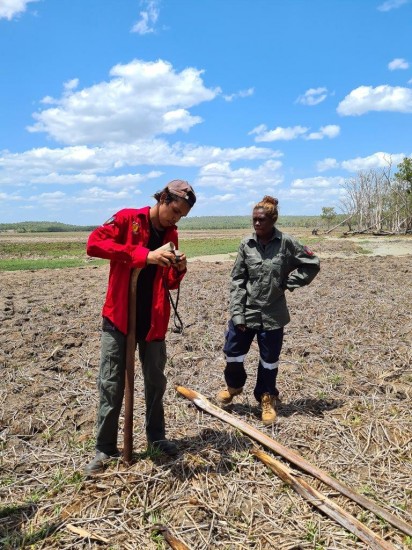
(172, 541)
(200, 401)
(327, 506)
(85, 534)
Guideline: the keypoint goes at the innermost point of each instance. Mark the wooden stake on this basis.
(129, 375)
(200, 401)
(328, 507)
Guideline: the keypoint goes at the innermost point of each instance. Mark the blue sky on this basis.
(102, 102)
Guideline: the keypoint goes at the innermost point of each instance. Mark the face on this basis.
(170, 214)
(262, 224)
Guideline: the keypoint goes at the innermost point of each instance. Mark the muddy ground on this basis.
(345, 381)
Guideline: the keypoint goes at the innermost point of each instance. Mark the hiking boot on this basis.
(225, 396)
(164, 446)
(98, 463)
(268, 409)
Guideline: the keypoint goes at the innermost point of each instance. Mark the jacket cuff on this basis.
(139, 257)
(238, 320)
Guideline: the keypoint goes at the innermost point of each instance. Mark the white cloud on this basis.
(91, 165)
(327, 164)
(287, 134)
(222, 198)
(377, 160)
(223, 177)
(242, 93)
(71, 84)
(391, 5)
(316, 182)
(382, 98)
(313, 96)
(12, 8)
(331, 131)
(278, 134)
(398, 63)
(142, 100)
(148, 17)
(313, 192)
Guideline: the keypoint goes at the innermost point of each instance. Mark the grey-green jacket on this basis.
(261, 275)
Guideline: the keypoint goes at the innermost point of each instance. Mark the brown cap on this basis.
(182, 189)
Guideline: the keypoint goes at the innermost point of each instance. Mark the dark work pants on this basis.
(237, 345)
(111, 384)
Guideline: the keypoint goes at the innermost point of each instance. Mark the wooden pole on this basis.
(129, 375)
(130, 361)
(323, 503)
(201, 402)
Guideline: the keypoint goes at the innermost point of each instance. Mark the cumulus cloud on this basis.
(377, 160)
(142, 100)
(224, 177)
(313, 96)
(391, 5)
(327, 164)
(398, 63)
(148, 17)
(287, 134)
(110, 165)
(278, 134)
(382, 98)
(316, 190)
(242, 93)
(331, 131)
(13, 8)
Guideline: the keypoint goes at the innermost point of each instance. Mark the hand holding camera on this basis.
(167, 255)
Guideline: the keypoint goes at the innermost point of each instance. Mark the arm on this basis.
(305, 266)
(109, 241)
(238, 289)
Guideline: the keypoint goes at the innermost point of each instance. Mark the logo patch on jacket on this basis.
(110, 220)
(308, 251)
(135, 227)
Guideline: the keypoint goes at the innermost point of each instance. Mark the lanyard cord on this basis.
(178, 328)
(176, 317)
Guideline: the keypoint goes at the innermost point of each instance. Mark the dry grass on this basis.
(345, 381)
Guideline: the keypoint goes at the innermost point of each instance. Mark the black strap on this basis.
(176, 317)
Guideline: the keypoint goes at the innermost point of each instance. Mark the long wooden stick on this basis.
(172, 541)
(321, 501)
(129, 375)
(200, 401)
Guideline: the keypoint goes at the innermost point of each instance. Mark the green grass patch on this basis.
(206, 247)
(42, 249)
(48, 263)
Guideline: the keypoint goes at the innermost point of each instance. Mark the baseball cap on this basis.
(182, 189)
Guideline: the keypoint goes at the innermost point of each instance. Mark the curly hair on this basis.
(270, 206)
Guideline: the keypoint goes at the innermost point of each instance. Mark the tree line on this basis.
(376, 201)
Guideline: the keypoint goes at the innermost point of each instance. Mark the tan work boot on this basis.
(225, 396)
(268, 409)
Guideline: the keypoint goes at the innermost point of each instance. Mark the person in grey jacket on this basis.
(268, 263)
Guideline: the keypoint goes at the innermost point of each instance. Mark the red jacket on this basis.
(123, 240)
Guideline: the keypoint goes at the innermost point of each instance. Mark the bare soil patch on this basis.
(345, 380)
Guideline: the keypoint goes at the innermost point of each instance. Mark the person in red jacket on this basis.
(131, 239)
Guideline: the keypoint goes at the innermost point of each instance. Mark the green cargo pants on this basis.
(111, 383)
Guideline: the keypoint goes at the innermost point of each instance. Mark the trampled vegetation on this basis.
(345, 381)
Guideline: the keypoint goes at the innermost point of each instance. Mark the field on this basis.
(345, 381)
